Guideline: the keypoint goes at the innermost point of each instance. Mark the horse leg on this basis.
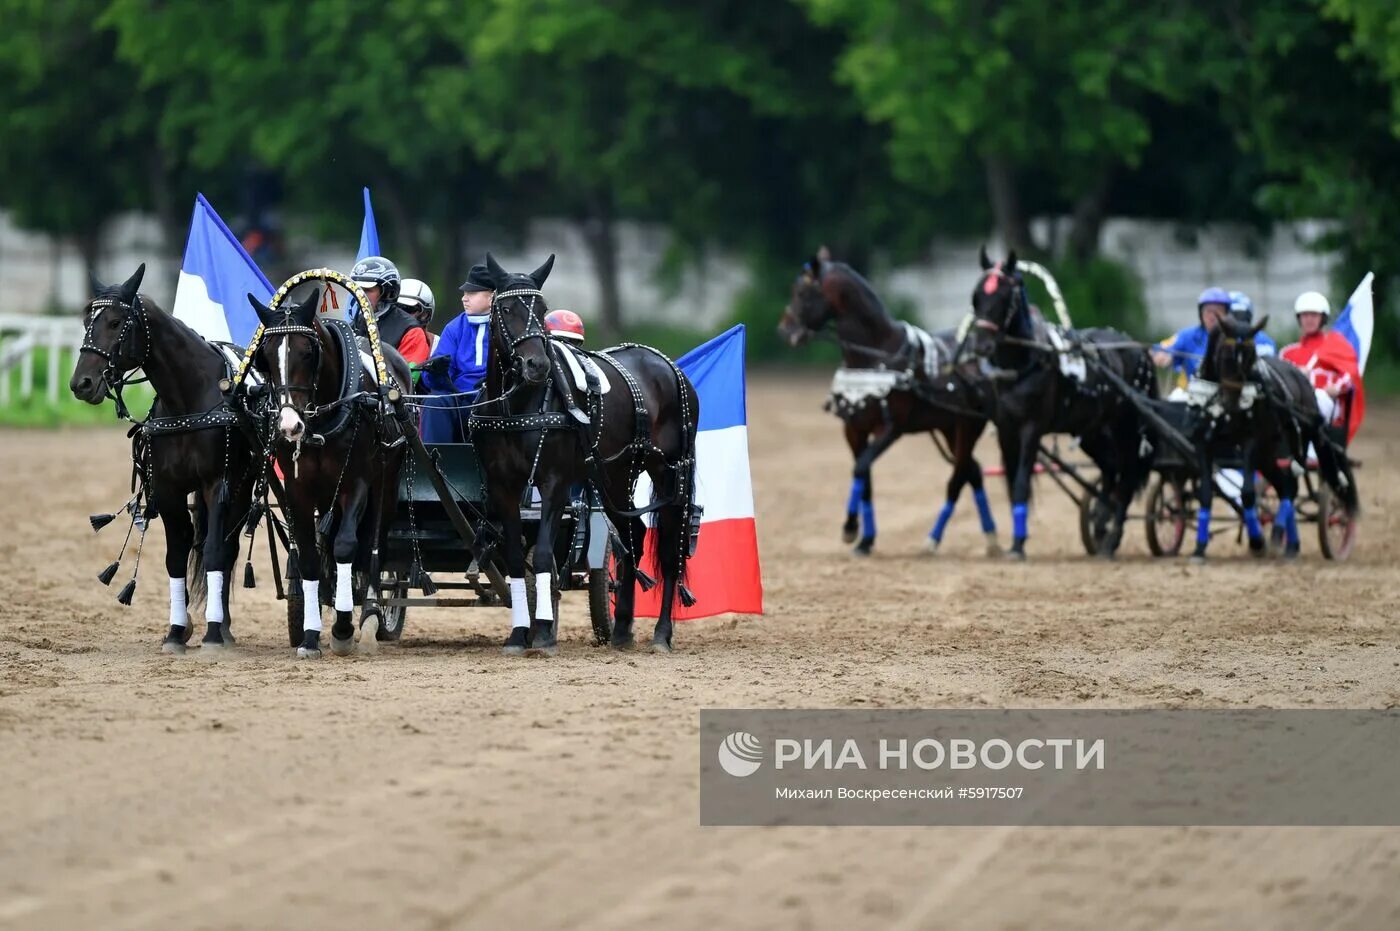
(672, 537)
(866, 483)
(1286, 520)
(969, 432)
(179, 540)
(345, 548)
(1018, 451)
(632, 531)
(217, 562)
(1205, 493)
(857, 440)
(554, 500)
(507, 507)
(303, 534)
(1249, 501)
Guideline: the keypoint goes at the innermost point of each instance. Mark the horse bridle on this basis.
(115, 375)
(534, 326)
(282, 394)
(1018, 303)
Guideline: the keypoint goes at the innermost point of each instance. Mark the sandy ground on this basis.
(440, 784)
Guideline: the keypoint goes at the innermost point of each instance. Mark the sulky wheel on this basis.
(1336, 529)
(1166, 516)
(393, 616)
(600, 598)
(1094, 519)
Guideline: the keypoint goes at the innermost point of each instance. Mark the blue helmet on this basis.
(1213, 296)
(1241, 307)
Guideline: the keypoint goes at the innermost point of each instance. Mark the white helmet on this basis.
(415, 296)
(1312, 302)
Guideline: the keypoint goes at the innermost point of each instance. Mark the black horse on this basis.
(1265, 411)
(645, 423)
(340, 452)
(894, 381)
(1038, 388)
(190, 444)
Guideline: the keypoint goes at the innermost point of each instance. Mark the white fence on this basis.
(21, 336)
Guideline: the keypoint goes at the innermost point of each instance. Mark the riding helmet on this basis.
(417, 298)
(1212, 296)
(1241, 307)
(565, 325)
(1313, 302)
(378, 272)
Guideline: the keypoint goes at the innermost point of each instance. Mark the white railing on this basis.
(21, 335)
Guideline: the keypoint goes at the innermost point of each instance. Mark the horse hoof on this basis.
(660, 646)
(931, 546)
(1197, 560)
(308, 652)
(848, 535)
(542, 649)
(1290, 551)
(1015, 556)
(342, 647)
(368, 636)
(213, 650)
(626, 643)
(994, 550)
(863, 548)
(173, 647)
(519, 640)
(227, 633)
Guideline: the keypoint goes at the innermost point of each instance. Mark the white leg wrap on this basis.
(311, 610)
(214, 605)
(179, 613)
(544, 597)
(344, 597)
(519, 607)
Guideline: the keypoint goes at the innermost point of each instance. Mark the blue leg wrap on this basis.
(1203, 525)
(867, 520)
(857, 493)
(1288, 516)
(943, 516)
(984, 511)
(1018, 521)
(1251, 523)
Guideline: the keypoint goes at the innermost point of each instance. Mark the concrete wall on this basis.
(38, 272)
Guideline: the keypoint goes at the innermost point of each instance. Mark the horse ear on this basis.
(982, 258)
(540, 274)
(305, 314)
(264, 314)
(1009, 265)
(499, 276)
(97, 286)
(1259, 326)
(823, 253)
(133, 284)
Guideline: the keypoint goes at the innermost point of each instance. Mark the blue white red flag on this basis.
(724, 573)
(1357, 321)
(216, 278)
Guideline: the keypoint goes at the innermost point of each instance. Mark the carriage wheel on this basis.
(600, 598)
(1166, 516)
(1336, 529)
(391, 617)
(1094, 518)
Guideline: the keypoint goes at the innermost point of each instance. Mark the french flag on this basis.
(723, 573)
(216, 278)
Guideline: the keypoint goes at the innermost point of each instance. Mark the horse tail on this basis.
(1336, 472)
(673, 521)
(196, 585)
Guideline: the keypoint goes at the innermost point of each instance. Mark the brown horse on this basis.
(894, 380)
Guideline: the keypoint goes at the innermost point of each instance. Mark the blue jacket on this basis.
(1189, 346)
(465, 341)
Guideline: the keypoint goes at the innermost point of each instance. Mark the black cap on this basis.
(478, 279)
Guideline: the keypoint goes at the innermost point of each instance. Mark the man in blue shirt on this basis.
(1183, 352)
(458, 365)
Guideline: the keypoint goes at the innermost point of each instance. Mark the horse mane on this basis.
(863, 287)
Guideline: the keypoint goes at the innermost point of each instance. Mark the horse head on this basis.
(809, 309)
(517, 319)
(289, 357)
(997, 303)
(115, 340)
(1231, 355)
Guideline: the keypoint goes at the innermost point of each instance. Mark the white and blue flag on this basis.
(216, 278)
(1357, 322)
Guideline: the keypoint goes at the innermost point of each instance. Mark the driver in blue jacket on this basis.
(1182, 353)
(454, 373)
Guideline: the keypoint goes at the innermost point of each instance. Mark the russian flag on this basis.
(724, 573)
(1357, 322)
(216, 278)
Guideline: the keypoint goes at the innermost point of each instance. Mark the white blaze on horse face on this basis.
(289, 423)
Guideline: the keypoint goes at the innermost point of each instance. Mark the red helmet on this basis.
(564, 324)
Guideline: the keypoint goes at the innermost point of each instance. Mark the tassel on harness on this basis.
(107, 575)
(99, 521)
